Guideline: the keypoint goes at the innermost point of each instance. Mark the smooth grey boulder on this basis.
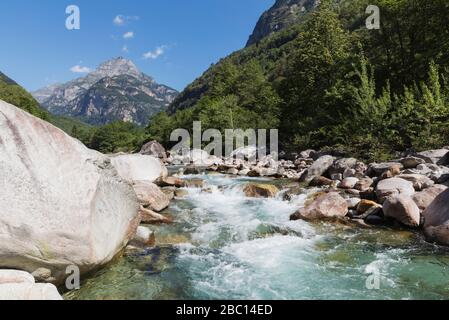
(420, 182)
(318, 168)
(424, 198)
(155, 149)
(137, 167)
(61, 204)
(390, 169)
(20, 285)
(411, 162)
(439, 156)
(341, 165)
(393, 187)
(403, 209)
(327, 205)
(436, 219)
(151, 196)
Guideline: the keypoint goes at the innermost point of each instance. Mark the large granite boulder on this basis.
(424, 198)
(436, 219)
(327, 205)
(393, 187)
(420, 182)
(341, 165)
(403, 209)
(255, 190)
(318, 168)
(440, 156)
(151, 196)
(61, 204)
(137, 167)
(155, 149)
(20, 285)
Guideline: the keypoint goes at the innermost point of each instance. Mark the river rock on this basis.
(321, 182)
(365, 205)
(191, 170)
(20, 285)
(307, 154)
(411, 162)
(32, 292)
(436, 219)
(151, 196)
(60, 203)
(385, 170)
(170, 182)
(194, 183)
(137, 167)
(144, 237)
(353, 202)
(348, 183)
(43, 275)
(318, 168)
(254, 190)
(232, 171)
(341, 165)
(246, 153)
(15, 276)
(150, 217)
(393, 187)
(364, 184)
(180, 193)
(327, 205)
(403, 209)
(155, 149)
(419, 181)
(424, 198)
(439, 156)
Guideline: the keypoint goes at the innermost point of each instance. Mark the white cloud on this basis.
(121, 20)
(80, 69)
(159, 51)
(125, 49)
(128, 35)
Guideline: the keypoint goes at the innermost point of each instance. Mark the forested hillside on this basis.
(330, 82)
(14, 94)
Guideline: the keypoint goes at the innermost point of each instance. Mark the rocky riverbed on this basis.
(225, 244)
(156, 225)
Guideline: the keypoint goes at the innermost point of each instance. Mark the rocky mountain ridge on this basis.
(116, 90)
(282, 14)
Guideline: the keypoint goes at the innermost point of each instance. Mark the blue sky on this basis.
(180, 38)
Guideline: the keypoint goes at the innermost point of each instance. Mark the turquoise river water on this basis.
(224, 245)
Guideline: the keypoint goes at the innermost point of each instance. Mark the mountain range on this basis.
(116, 90)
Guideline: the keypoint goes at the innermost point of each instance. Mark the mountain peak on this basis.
(116, 67)
(281, 15)
(116, 90)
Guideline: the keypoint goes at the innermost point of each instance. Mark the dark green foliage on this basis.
(330, 82)
(117, 137)
(14, 94)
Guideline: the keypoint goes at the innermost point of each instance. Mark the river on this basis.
(227, 246)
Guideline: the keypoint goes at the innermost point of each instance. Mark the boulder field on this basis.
(409, 192)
